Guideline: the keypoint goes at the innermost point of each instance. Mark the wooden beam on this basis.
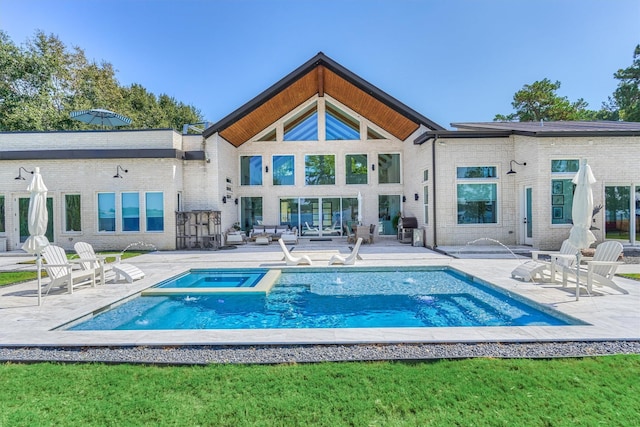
(320, 81)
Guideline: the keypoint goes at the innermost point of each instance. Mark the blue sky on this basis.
(452, 61)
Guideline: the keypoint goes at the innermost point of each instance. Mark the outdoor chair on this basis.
(600, 270)
(349, 259)
(538, 268)
(117, 271)
(351, 235)
(292, 260)
(61, 271)
(309, 229)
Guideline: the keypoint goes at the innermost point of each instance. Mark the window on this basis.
(269, 136)
(388, 214)
(477, 198)
(130, 211)
(372, 134)
(340, 125)
(425, 202)
(303, 126)
(388, 168)
(107, 212)
(283, 170)
(356, 168)
(72, 216)
(562, 189)
(154, 203)
(251, 170)
(425, 175)
(2, 226)
(320, 169)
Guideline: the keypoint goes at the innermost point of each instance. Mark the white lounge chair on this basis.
(349, 259)
(309, 229)
(90, 261)
(537, 268)
(60, 270)
(600, 270)
(292, 260)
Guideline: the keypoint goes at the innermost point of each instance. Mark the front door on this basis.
(527, 225)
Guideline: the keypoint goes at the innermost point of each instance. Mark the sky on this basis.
(451, 61)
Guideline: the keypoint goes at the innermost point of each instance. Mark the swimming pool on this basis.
(334, 298)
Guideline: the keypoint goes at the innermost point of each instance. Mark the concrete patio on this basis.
(610, 316)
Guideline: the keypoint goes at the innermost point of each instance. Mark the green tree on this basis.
(626, 98)
(539, 101)
(43, 81)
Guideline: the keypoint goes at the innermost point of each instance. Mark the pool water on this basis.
(218, 278)
(336, 298)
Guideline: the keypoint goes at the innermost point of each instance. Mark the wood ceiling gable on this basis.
(364, 99)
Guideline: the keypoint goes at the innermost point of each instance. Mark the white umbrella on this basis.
(37, 222)
(359, 208)
(581, 212)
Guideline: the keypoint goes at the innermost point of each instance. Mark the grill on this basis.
(406, 225)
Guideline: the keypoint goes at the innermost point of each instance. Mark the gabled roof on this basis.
(319, 75)
(538, 129)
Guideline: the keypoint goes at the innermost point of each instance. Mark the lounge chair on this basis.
(60, 270)
(349, 259)
(537, 268)
(309, 229)
(600, 270)
(292, 260)
(90, 261)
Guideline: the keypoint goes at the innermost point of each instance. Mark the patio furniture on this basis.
(372, 232)
(349, 259)
(406, 225)
(362, 231)
(310, 230)
(290, 259)
(290, 236)
(350, 233)
(600, 270)
(60, 270)
(235, 238)
(537, 268)
(89, 260)
(263, 240)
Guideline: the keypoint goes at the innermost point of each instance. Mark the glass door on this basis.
(528, 217)
(23, 216)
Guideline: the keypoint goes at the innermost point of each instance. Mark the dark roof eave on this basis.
(452, 134)
(319, 59)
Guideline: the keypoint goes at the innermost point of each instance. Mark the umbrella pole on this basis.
(39, 268)
(578, 274)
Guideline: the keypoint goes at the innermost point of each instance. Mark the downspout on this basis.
(433, 175)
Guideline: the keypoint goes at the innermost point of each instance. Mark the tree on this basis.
(626, 98)
(539, 101)
(42, 82)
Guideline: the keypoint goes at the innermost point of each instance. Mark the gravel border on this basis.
(204, 355)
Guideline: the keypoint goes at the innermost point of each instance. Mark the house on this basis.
(320, 149)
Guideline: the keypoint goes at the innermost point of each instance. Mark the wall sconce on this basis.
(118, 169)
(236, 201)
(20, 173)
(373, 167)
(224, 199)
(266, 169)
(416, 196)
(511, 171)
(404, 199)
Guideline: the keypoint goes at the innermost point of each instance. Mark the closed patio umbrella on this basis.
(581, 211)
(359, 208)
(37, 223)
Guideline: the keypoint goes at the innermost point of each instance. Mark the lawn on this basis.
(479, 392)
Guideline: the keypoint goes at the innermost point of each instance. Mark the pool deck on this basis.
(610, 316)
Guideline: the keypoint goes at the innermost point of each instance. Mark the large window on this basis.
(388, 168)
(388, 214)
(130, 211)
(72, 216)
(283, 170)
(320, 169)
(356, 168)
(154, 203)
(250, 212)
(303, 126)
(107, 212)
(2, 226)
(477, 195)
(340, 125)
(251, 170)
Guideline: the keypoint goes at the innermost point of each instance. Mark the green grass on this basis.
(472, 392)
(634, 276)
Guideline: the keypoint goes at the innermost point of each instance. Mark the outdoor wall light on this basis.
(404, 199)
(373, 167)
(224, 199)
(118, 169)
(235, 201)
(20, 173)
(266, 169)
(416, 196)
(511, 171)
